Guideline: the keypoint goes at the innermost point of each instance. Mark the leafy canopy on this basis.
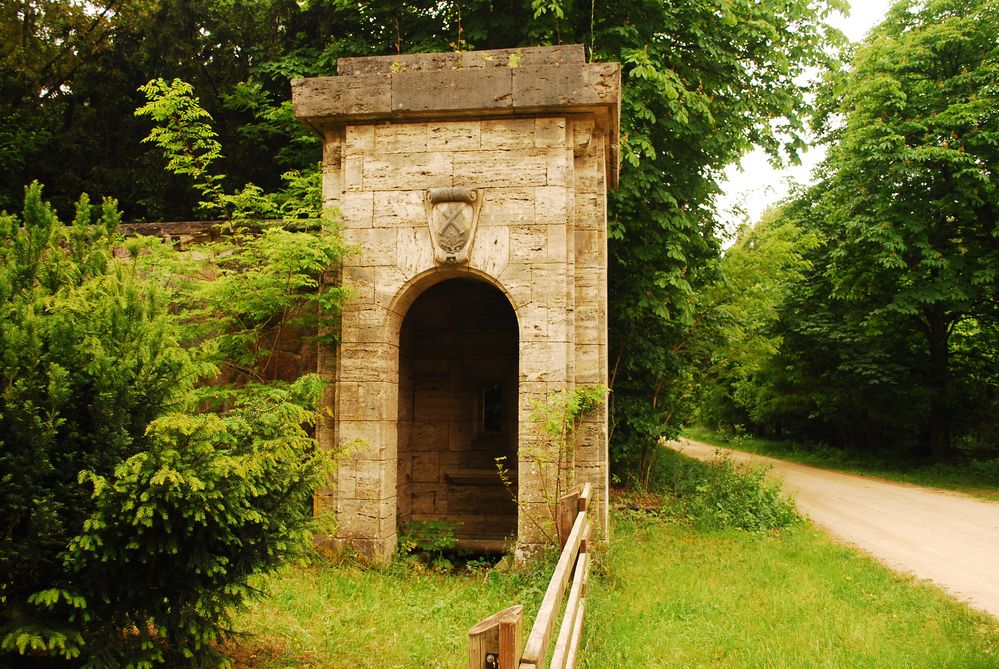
(889, 338)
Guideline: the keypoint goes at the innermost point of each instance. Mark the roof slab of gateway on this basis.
(495, 83)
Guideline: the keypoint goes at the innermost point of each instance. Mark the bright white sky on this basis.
(758, 185)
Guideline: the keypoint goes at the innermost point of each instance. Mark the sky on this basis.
(754, 185)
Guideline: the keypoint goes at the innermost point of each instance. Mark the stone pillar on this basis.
(487, 166)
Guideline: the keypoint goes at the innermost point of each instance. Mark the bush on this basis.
(721, 493)
(130, 526)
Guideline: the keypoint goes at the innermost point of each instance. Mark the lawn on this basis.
(663, 594)
(973, 476)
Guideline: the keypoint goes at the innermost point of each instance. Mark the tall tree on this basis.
(758, 272)
(913, 180)
(703, 82)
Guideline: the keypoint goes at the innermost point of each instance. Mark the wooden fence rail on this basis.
(495, 643)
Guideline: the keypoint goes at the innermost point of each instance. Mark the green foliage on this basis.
(69, 75)
(430, 541)
(560, 412)
(758, 271)
(886, 335)
(721, 494)
(89, 359)
(245, 296)
(912, 183)
(184, 133)
(554, 454)
(702, 83)
(132, 525)
(976, 475)
(213, 501)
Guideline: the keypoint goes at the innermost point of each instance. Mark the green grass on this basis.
(671, 596)
(979, 478)
(336, 615)
(663, 594)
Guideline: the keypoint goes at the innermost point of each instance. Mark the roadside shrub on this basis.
(721, 494)
(87, 360)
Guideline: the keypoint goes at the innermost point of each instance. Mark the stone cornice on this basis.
(498, 83)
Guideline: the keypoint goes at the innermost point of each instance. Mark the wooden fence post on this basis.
(568, 508)
(498, 641)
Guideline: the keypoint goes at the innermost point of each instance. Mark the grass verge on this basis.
(404, 616)
(665, 593)
(979, 478)
(672, 595)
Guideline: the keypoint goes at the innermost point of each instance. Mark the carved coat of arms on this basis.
(453, 214)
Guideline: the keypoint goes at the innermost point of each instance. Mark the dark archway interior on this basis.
(458, 358)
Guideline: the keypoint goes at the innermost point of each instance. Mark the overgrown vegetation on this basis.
(665, 592)
(712, 495)
(553, 457)
(429, 541)
(156, 456)
(133, 519)
(341, 614)
(974, 476)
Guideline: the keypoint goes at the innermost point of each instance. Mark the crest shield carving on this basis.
(453, 214)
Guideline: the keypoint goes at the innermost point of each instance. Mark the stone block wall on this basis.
(539, 176)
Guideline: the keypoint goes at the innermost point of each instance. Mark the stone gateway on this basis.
(474, 187)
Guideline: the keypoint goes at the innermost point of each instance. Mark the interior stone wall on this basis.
(458, 338)
(540, 181)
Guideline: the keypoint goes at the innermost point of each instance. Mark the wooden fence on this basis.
(497, 641)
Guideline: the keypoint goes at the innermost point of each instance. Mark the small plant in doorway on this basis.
(553, 455)
(430, 541)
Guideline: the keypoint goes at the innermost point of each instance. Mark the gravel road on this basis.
(946, 537)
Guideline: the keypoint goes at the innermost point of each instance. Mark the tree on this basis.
(88, 362)
(134, 512)
(831, 378)
(758, 272)
(702, 83)
(913, 181)
(69, 78)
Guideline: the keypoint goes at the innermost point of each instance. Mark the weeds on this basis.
(430, 541)
(554, 455)
(977, 476)
(716, 495)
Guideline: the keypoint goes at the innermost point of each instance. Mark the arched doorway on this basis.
(458, 372)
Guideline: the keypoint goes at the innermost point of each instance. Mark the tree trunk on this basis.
(938, 426)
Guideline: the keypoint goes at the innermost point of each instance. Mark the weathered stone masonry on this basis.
(474, 186)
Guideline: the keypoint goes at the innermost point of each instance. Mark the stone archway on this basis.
(458, 381)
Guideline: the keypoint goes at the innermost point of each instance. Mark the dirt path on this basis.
(948, 538)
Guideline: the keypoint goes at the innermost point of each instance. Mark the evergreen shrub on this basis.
(130, 524)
